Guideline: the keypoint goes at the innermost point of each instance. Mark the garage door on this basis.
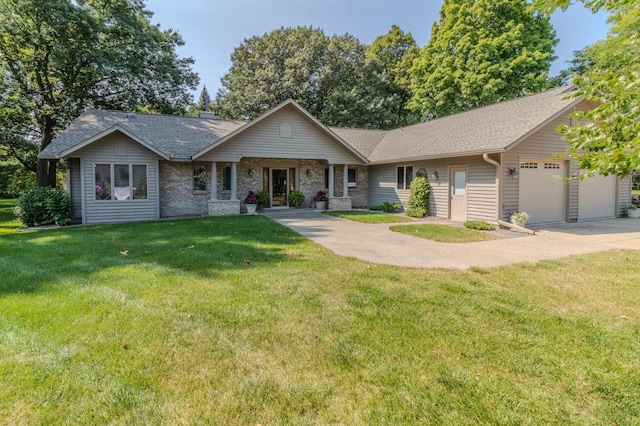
(596, 197)
(542, 191)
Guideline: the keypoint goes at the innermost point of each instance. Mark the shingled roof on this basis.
(494, 128)
(174, 137)
(491, 129)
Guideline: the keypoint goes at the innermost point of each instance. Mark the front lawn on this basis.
(239, 320)
(368, 217)
(444, 233)
(8, 222)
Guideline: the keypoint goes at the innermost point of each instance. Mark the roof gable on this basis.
(289, 104)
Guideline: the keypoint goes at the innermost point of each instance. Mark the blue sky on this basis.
(213, 28)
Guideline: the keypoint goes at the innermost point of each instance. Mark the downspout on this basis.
(501, 222)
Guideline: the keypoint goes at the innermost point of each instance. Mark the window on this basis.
(199, 177)
(120, 181)
(404, 177)
(226, 179)
(351, 178)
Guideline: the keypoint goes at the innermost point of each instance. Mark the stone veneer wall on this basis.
(177, 197)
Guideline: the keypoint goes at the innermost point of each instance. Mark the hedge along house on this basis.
(482, 164)
(125, 167)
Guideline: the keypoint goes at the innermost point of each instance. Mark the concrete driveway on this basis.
(376, 243)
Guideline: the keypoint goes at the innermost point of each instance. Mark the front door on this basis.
(279, 187)
(458, 194)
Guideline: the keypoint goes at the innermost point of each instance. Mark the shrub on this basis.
(376, 207)
(416, 212)
(296, 198)
(42, 205)
(481, 225)
(419, 196)
(390, 207)
(263, 198)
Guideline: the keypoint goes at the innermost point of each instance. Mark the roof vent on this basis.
(131, 116)
(207, 114)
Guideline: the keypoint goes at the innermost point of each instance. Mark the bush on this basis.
(263, 198)
(389, 207)
(376, 207)
(41, 205)
(296, 198)
(480, 225)
(416, 212)
(419, 196)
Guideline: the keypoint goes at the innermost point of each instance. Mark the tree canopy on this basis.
(606, 139)
(328, 75)
(58, 57)
(482, 52)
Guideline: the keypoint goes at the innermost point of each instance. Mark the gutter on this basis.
(501, 222)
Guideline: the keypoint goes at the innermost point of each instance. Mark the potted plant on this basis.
(321, 200)
(633, 211)
(519, 218)
(252, 202)
(296, 199)
(263, 196)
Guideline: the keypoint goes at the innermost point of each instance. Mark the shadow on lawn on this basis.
(203, 246)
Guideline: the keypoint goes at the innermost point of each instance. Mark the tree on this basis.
(482, 52)
(328, 76)
(606, 139)
(58, 57)
(204, 103)
(395, 53)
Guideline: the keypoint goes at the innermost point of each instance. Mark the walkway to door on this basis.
(376, 243)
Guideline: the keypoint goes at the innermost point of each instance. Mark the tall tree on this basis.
(395, 53)
(59, 56)
(606, 139)
(203, 104)
(324, 74)
(482, 52)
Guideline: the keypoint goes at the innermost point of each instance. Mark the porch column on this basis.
(234, 181)
(214, 182)
(345, 181)
(331, 180)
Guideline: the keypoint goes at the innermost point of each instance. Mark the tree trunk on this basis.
(46, 169)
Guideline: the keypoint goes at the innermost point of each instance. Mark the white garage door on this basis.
(542, 191)
(596, 197)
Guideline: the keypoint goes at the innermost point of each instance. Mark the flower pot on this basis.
(516, 222)
(635, 213)
(251, 208)
(321, 205)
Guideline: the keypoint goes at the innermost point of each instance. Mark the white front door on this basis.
(458, 193)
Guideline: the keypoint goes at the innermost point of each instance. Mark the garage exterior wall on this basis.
(481, 190)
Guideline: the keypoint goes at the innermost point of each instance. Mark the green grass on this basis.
(443, 233)
(8, 222)
(368, 217)
(241, 321)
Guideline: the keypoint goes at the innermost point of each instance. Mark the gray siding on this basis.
(107, 211)
(264, 140)
(75, 189)
(481, 191)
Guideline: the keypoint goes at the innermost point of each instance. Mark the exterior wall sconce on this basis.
(434, 175)
(513, 172)
(250, 172)
(308, 172)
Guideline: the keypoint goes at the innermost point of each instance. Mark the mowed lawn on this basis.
(241, 321)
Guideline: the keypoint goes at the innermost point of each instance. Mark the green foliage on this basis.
(480, 225)
(390, 207)
(296, 198)
(418, 203)
(606, 139)
(519, 218)
(482, 52)
(41, 205)
(263, 198)
(395, 52)
(58, 57)
(328, 76)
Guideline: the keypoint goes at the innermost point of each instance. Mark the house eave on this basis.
(435, 157)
